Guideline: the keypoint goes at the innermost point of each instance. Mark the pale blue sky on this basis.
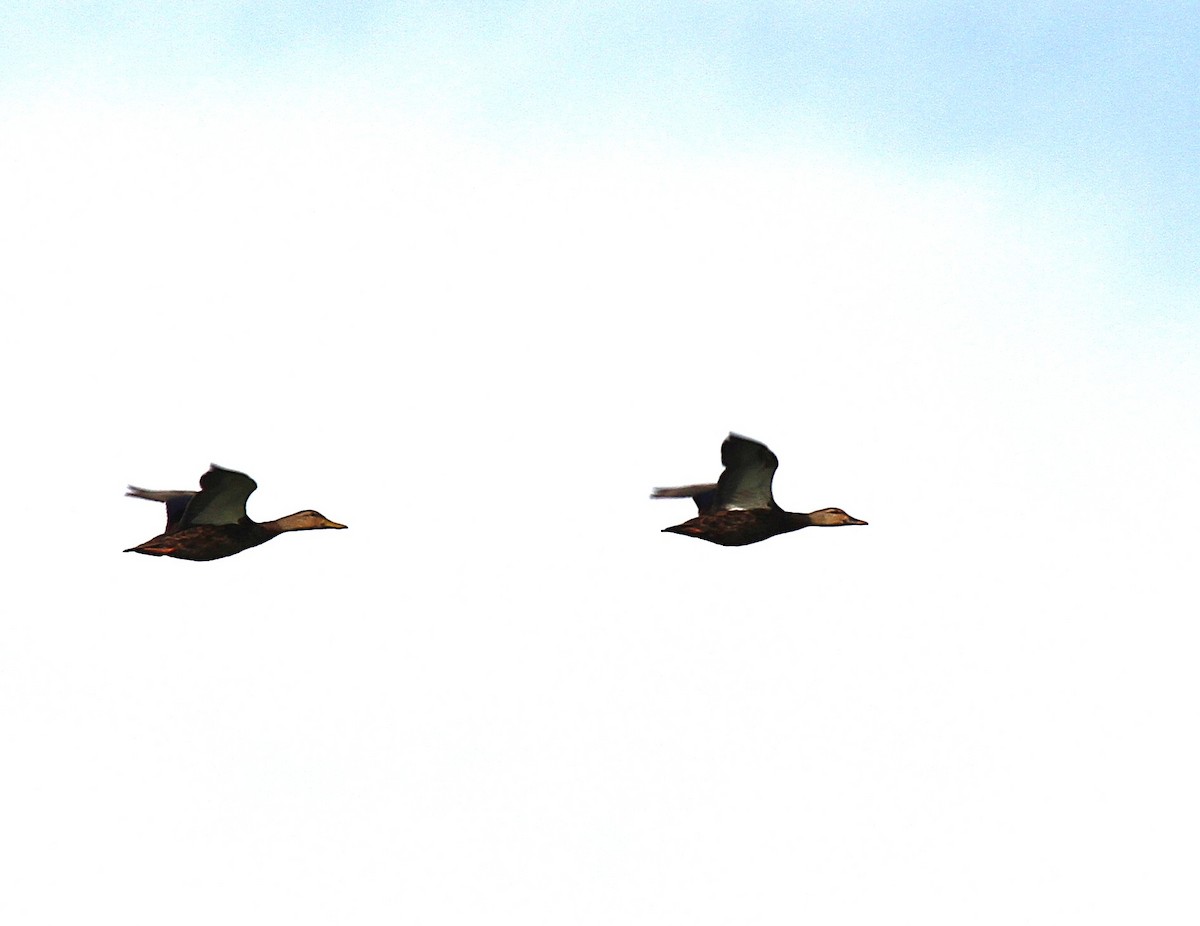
(473, 278)
(1094, 102)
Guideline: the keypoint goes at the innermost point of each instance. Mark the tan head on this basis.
(831, 517)
(305, 521)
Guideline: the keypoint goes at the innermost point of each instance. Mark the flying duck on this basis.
(212, 523)
(739, 508)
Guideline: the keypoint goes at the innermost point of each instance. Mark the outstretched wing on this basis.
(749, 469)
(221, 499)
(702, 495)
(176, 501)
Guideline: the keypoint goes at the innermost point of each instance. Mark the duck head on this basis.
(306, 521)
(832, 517)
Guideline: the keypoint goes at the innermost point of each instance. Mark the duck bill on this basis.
(334, 525)
(855, 521)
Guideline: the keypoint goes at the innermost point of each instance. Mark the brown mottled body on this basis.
(206, 541)
(738, 528)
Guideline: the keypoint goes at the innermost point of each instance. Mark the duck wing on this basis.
(749, 470)
(221, 499)
(702, 495)
(176, 501)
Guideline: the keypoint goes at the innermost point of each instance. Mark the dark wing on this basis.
(702, 495)
(221, 499)
(176, 501)
(749, 468)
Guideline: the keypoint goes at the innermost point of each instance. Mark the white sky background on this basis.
(472, 283)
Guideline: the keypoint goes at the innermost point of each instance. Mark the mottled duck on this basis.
(739, 508)
(212, 523)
